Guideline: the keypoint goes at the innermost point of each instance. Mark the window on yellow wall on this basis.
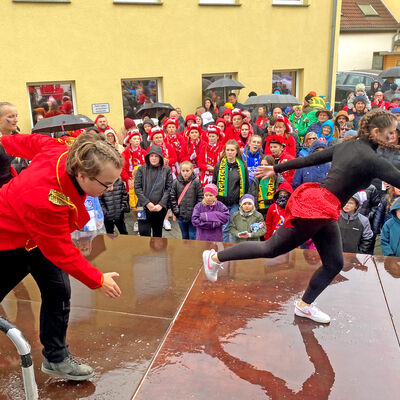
(217, 96)
(285, 82)
(217, 2)
(136, 92)
(42, 1)
(289, 2)
(48, 99)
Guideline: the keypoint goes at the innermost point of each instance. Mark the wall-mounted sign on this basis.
(100, 108)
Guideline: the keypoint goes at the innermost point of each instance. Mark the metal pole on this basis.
(24, 350)
(332, 52)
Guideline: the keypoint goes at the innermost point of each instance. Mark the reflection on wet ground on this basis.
(235, 339)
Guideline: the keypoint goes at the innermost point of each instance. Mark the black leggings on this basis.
(326, 237)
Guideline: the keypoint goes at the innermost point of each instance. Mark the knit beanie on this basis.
(247, 197)
(129, 124)
(360, 87)
(351, 132)
(149, 122)
(211, 188)
(359, 98)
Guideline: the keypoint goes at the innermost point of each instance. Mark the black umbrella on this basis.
(154, 108)
(393, 72)
(62, 122)
(268, 99)
(225, 83)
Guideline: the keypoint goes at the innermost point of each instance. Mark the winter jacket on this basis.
(381, 215)
(315, 127)
(132, 159)
(330, 139)
(357, 117)
(390, 236)
(393, 156)
(6, 172)
(304, 152)
(252, 161)
(115, 202)
(209, 220)
(290, 145)
(355, 230)
(209, 156)
(315, 173)
(192, 196)
(300, 125)
(370, 200)
(287, 175)
(351, 101)
(252, 222)
(168, 153)
(233, 183)
(145, 178)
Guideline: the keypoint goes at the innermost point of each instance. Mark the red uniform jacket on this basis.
(176, 142)
(287, 175)
(132, 159)
(191, 151)
(209, 155)
(290, 144)
(29, 216)
(274, 219)
(168, 153)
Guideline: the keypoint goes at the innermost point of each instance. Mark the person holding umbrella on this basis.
(38, 211)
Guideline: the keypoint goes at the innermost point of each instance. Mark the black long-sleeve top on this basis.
(354, 164)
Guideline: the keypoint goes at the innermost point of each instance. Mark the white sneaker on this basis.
(135, 226)
(167, 225)
(210, 267)
(311, 312)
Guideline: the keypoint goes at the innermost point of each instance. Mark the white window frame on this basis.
(41, 1)
(73, 94)
(288, 2)
(139, 2)
(217, 2)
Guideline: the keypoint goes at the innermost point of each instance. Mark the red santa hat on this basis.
(98, 117)
(214, 129)
(227, 111)
(237, 111)
(130, 135)
(276, 139)
(172, 121)
(154, 131)
(281, 118)
(195, 127)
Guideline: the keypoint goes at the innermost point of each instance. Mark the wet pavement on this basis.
(174, 335)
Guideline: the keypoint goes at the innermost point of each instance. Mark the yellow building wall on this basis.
(96, 43)
(394, 7)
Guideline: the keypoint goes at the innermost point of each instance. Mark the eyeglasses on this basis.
(312, 138)
(103, 184)
(344, 129)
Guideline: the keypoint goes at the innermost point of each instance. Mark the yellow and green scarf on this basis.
(223, 177)
(266, 191)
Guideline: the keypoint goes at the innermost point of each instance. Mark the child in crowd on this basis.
(299, 121)
(174, 139)
(191, 147)
(278, 152)
(264, 190)
(221, 123)
(157, 137)
(114, 204)
(390, 236)
(210, 154)
(252, 155)
(359, 91)
(382, 213)
(354, 228)
(326, 132)
(133, 157)
(186, 192)
(210, 215)
(276, 212)
(245, 135)
(282, 129)
(247, 223)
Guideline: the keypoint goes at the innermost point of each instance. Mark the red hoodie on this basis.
(290, 144)
(132, 159)
(276, 214)
(209, 156)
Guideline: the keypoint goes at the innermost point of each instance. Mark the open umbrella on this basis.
(225, 83)
(268, 99)
(393, 72)
(62, 122)
(154, 108)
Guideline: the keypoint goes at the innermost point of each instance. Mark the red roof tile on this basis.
(353, 19)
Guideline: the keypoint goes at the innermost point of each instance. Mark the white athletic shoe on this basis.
(210, 267)
(167, 225)
(311, 312)
(135, 226)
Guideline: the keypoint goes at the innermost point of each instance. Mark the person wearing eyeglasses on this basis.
(39, 209)
(309, 139)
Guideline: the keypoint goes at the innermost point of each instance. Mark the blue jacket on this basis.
(315, 173)
(330, 139)
(252, 161)
(390, 235)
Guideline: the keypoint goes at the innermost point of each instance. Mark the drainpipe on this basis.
(394, 40)
(332, 52)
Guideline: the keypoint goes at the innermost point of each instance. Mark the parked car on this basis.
(347, 80)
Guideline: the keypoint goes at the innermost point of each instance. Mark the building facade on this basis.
(93, 50)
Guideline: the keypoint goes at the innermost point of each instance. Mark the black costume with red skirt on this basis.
(313, 209)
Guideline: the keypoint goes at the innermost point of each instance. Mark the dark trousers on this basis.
(119, 223)
(326, 237)
(187, 229)
(154, 222)
(55, 290)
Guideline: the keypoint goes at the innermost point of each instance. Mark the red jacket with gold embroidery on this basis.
(30, 214)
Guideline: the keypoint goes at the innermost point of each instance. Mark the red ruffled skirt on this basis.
(311, 201)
